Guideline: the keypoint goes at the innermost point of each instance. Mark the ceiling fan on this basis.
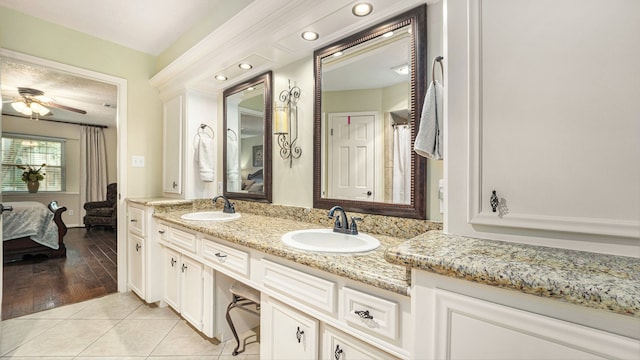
(34, 101)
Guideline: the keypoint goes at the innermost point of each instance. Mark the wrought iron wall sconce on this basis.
(286, 124)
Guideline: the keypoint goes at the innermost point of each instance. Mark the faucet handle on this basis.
(354, 227)
(337, 224)
(229, 208)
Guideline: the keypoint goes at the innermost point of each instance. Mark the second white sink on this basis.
(210, 216)
(325, 240)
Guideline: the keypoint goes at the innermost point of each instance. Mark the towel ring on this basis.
(203, 130)
(235, 136)
(437, 59)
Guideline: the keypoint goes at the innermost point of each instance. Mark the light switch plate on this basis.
(137, 161)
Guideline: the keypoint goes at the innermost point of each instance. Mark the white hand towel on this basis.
(429, 139)
(206, 158)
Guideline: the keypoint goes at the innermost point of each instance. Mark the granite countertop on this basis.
(263, 233)
(594, 280)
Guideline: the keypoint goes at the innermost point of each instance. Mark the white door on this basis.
(292, 335)
(191, 291)
(351, 156)
(172, 276)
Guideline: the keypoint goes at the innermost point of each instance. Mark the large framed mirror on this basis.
(247, 143)
(369, 89)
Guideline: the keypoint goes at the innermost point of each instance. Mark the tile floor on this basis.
(117, 326)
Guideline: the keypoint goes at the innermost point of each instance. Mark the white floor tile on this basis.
(17, 331)
(68, 338)
(183, 340)
(147, 312)
(116, 306)
(131, 338)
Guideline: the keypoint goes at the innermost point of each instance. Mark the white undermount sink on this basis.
(325, 240)
(210, 216)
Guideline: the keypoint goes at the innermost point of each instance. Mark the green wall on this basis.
(32, 36)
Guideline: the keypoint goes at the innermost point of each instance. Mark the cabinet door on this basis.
(560, 150)
(191, 291)
(470, 328)
(337, 345)
(172, 275)
(172, 146)
(289, 333)
(136, 265)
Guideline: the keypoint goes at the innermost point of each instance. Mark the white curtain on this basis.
(402, 165)
(93, 165)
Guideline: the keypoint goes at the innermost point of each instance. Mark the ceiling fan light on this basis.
(41, 110)
(21, 107)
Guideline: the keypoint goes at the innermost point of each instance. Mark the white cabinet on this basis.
(340, 346)
(473, 328)
(287, 333)
(172, 277)
(184, 116)
(456, 319)
(172, 146)
(137, 270)
(143, 250)
(557, 140)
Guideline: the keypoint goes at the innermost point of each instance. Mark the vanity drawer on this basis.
(299, 286)
(369, 312)
(183, 239)
(137, 221)
(163, 232)
(226, 257)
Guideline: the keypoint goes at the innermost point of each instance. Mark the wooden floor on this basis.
(88, 271)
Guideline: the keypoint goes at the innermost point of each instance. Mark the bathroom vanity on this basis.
(426, 296)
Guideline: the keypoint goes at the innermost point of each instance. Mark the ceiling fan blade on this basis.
(63, 107)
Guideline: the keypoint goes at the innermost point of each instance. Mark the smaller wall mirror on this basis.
(247, 144)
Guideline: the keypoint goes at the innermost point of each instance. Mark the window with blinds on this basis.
(33, 151)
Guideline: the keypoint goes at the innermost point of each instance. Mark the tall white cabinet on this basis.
(552, 128)
(184, 115)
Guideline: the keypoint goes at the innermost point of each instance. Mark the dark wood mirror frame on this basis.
(266, 168)
(416, 18)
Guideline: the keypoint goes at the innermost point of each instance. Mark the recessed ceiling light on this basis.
(388, 34)
(337, 53)
(250, 88)
(221, 77)
(401, 69)
(310, 35)
(245, 66)
(362, 9)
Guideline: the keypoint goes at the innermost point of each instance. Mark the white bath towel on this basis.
(205, 157)
(429, 139)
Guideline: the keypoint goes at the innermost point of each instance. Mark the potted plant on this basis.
(32, 176)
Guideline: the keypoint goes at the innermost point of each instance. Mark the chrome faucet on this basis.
(341, 224)
(228, 207)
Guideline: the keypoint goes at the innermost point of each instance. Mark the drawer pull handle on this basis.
(184, 267)
(134, 220)
(161, 232)
(299, 334)
(364, 314)
(493, 201)
(338, 352)
(173, 262)
(220, 256)
(138, 247)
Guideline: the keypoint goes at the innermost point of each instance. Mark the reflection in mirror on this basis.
(368, 90)
(247, 144)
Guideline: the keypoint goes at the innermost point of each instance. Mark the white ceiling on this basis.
(149, 26)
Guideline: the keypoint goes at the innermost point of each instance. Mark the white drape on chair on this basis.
(93, 165)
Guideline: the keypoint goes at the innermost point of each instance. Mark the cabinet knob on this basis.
(299, 334)
(173, 262)
(338, 352)
(364, 314)
(174, 185)
(493, 201)
(138, 247)
(184, 267)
